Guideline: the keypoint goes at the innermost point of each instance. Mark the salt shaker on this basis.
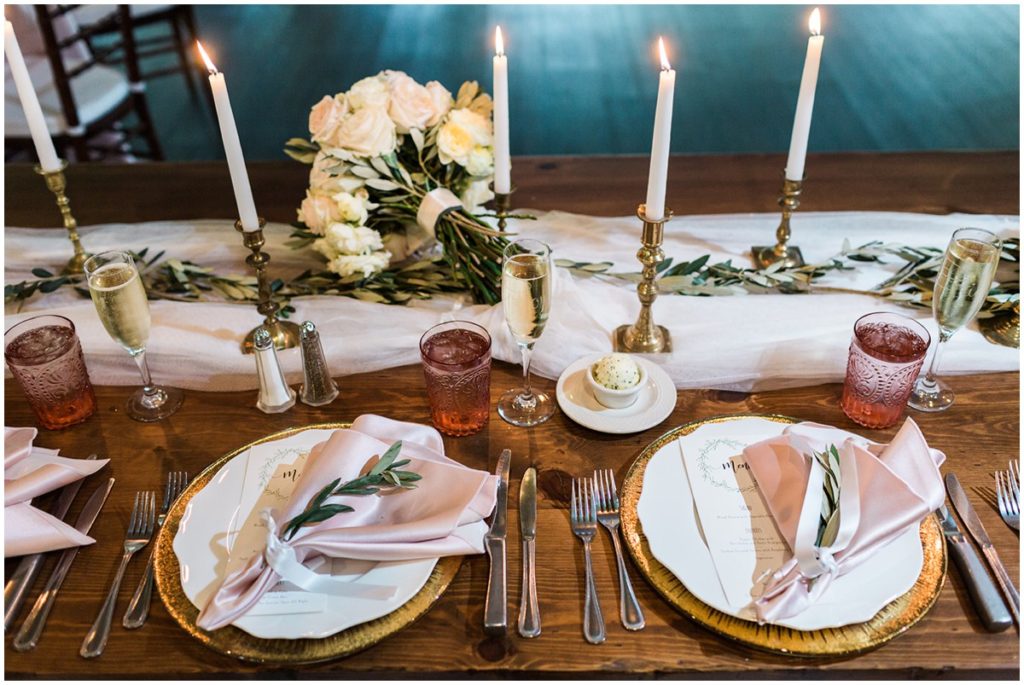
(275, 395)
(318, 387)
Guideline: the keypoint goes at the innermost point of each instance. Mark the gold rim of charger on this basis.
(235, 642)
(893, 619)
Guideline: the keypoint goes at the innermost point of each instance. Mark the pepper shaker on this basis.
(275, 395)
(318, 387)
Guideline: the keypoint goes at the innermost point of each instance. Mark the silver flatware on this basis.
(529, 609)
(496, 601)
(20, 582)
(137, 536)
(607, 500)
(31, 630)
(138, 607)
(1008, 495)
(583, 517)
(984, 593)
(973, 523)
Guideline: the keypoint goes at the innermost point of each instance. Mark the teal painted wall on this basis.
(583, 78)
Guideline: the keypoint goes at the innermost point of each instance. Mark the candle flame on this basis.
(664, 56)
(206, 58)
(499, 43)
(814, 23)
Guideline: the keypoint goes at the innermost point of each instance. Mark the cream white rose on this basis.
(476, 195)
(352, 209)
(410, 104)
(348, 239)
(480, 162)
(371, 91)
(442, 99)
(325, 118)
(460, 134)
(368, 132)
(318, 212)
(367, 265)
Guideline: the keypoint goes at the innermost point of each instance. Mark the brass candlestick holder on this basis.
(789, 255)
(285, 334)
(502, 206)
(1003, 329)
(57, 184)
(645, 335)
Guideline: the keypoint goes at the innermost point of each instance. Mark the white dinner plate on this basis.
(671, 525)
(210, 523)
(655, 402)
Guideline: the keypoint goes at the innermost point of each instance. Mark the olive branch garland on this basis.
(385, 475)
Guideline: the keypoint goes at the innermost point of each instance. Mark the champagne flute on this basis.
(120, 298)
(960, 289)
(526, 299)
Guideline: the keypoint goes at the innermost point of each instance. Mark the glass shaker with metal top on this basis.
(318, 387)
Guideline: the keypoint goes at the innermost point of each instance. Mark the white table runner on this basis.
(748, 342)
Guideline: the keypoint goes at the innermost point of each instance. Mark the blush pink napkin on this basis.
(29, 472)
(442, 516)
(884, 490)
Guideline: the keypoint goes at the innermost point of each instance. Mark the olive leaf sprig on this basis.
(384, 475)
(828, 525)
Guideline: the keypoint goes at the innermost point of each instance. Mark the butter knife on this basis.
(529, 610)
(495, 603)
(973, 523)
(24, 575)
(984, 593)
(28, 636)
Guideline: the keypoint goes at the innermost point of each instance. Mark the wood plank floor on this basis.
(583, 77)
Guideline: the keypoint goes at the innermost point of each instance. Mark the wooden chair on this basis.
(86, 103)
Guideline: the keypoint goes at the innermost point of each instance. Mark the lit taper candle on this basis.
(48, 159)
(232, 146)
(502, 156)
(805, 102)
(660, 146)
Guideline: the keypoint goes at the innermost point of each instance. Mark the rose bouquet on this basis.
(396, 166)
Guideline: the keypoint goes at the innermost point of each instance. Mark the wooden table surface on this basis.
(979, 434)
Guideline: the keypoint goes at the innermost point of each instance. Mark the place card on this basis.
(740, 533)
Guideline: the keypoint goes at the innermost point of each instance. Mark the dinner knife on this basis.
(24, 575)
(529, 610)
(28, 636)
(984, 593)
(495, 609)
(973, 523)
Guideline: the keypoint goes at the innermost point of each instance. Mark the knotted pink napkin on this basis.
(442, 516)
(884, 489)
(29, 472)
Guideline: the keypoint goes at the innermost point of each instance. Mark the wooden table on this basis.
(979, 434)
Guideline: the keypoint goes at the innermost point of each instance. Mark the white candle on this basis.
(48, 158)
(805, 102)
(502, 156)
(660, 146)
(232, 146)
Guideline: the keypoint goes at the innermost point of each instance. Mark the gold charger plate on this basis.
(240, 644)
(892, 620)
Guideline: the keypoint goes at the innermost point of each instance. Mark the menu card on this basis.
(740, 533)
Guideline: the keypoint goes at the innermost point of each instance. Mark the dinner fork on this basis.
(1008, 495)
(583, 517)
(138, 607)
(137, 536)
(607, 502)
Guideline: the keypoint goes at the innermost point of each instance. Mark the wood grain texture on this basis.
(979, 434)
(935, 183)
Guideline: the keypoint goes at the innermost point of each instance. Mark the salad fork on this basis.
(607, 501)
(140, 530)
(1008, 495)
(138, 607)
(583, 517)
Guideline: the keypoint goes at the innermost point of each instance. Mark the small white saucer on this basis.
(653, 405)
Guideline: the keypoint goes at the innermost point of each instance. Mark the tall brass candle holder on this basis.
(57, 184)
(1003, 329)
(502, 206)
(285, 334)
(645, 335)
(782, 251)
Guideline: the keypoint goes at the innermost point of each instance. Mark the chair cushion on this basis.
(96, 91)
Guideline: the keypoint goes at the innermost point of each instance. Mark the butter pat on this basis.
(616, 372)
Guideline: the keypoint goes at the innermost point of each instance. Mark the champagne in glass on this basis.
(526, 300)
(960, 290)
(120, 299)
